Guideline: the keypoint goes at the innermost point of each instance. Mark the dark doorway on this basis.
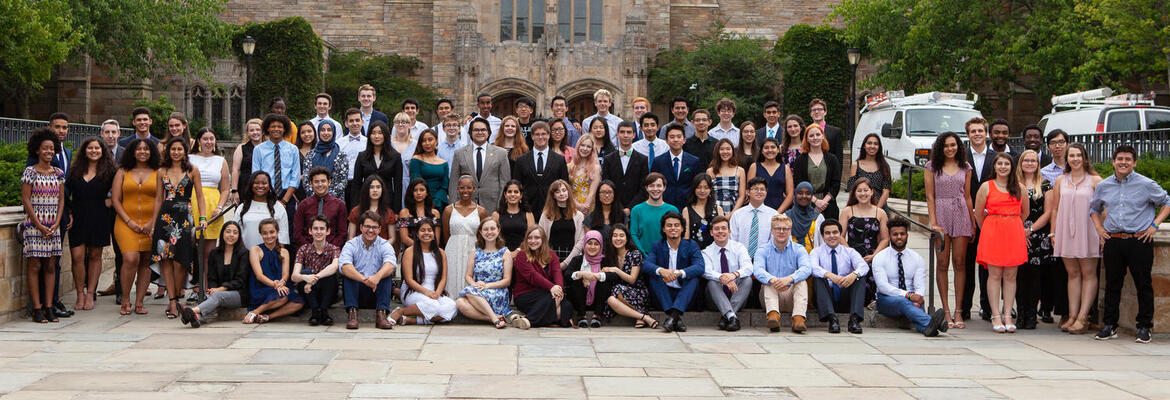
(581, 107)
(504, 104)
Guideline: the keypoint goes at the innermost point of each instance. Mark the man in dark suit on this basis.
(626, 168)
(981, 158)
(818, 110)
(1000, 132)
(678, 167)
(485, 163)
(539, 168)
(140, 119)
(1034, 140)
(674, 282)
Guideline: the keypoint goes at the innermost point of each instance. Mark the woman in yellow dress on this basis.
(585, 173)
(133, 193)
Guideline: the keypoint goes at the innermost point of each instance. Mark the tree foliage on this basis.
(814, 65)
(1131, 39)
(721, 64)
(287, 63)
(39, 37)
(389, 74)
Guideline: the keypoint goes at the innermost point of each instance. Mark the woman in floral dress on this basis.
(41, 187)
(173, 224)
(628, 296)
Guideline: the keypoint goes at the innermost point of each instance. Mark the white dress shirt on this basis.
(672, 265)
(446, 150)
(977, 161)
(848, 261)
(352, 146)
(719, 133)
(741, 224)
(885, 272)
(537, 158)
(772, 132)
(624, 155)
(643, 146)
(738, 260)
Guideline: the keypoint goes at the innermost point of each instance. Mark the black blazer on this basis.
(628, 184)
(234, 275)
(832, 179)
(536, 186)
(390, 171)
(982, 176)
(834, 136)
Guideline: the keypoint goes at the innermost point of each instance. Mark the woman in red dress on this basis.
(1000, 213)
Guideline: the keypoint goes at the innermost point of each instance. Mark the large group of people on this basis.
(524, 222)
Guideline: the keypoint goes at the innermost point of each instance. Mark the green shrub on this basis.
(389, 74)
(814, 65)
(1154, 168)
(898, 190)
(287, 62)
(12, 159)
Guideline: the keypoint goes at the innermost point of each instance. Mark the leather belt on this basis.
(1122, 235)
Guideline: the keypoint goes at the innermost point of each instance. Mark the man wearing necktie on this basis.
(772, 127)
(728, 269)
(840, 286)
(486, 163)
(678, 166)
(539, 168)
(900, 274)
(626, 168)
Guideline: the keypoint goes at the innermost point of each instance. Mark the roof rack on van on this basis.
(1099, 97)
(898, 98)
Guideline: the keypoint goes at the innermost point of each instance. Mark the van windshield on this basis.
(933, 121)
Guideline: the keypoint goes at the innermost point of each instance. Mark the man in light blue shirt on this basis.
(838, 273)
(451, 139)
(781, 267)
(280, 159)
(367, 268)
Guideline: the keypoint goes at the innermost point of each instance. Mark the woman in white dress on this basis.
(258, 203)
(460, 221)
(424, 275)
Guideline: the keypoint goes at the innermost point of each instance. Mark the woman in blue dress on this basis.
(489, 274)
(779, 176)
(270, 294)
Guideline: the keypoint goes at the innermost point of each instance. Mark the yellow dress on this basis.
(138, 201)
(581, 184)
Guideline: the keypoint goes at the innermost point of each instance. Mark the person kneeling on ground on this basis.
(900, 274)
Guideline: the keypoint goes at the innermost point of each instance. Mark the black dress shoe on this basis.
(315, 318)
(61, 311)
(937, 318)
(1046, 317)
(732, 324)
(834, 326)
(854, 325)
(669, 323)
(966, 315)
(722, 323)
(679, 325)
(326, 319)
(1028, 323)
(985, 316)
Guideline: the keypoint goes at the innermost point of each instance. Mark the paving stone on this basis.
(13, 381)
(14, 336)
(87, 347)
(365, 344)
(556, 351)
(14, 349)
(727, 347)
(583, 371)
(952, 393)
(940, 359)
(285, 356)
(185, 355)
(553, 362)
(1058, 363)
(407, 378)
(873, 375)
(853, 358)
(487, 386)
(42, 395)
(1104, 376)
(954, 371)
(778, 361)
(105, 381)
(1055, 389)
(776, 377)
(378, 355)
(650, 386)
(850, 393)
(462, 340)
(455, 367)
(269, 343)
(291, 391)
(667, 360)
(354, 371)
(1148, 388)
(819, 348)
(628, 345)
(759, 393)
(144, 396)
(945, 382)
(1123, 363)
(186, 341)
(253, 373)
(469, 353)
(677, 372)
(398, 390)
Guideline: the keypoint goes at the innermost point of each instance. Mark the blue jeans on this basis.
(671, 298)
(892, 306)
(355, 290)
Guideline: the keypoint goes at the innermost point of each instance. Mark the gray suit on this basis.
(495, 175)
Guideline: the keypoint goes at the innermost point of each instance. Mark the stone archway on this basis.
(579, 94)
(506, 91)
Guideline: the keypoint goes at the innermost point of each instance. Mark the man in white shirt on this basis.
(728, 269)
(452, 139)
(483, 103)
(900, 274)
(772, 128)
(354, 141)
(602, 99)
(322, 104)
(754, 215)
(650, 146)
(726, 129)
(980, 156)
(410, 107)
(837, 279)
(443, 108)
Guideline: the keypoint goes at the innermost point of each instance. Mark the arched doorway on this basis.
(581, 107)
(505, 104)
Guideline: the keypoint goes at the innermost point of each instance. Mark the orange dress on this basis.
(138, 201)
(1002, 242)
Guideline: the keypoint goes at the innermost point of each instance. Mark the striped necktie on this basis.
(754, 234)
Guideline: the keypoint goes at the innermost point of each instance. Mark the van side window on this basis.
(1157, 119)
(898, 121)
(1121, 121)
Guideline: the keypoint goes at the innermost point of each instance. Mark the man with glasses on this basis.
(817, 110)
(367, 267)
(701, 144)
(781, 267)
(1057, 145)
(486, 164)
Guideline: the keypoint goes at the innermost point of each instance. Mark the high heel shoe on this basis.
(1010, 327)
(958, 321)
(49, 314)
(997, 327)
(38, 316)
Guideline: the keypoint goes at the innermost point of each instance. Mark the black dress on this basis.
(864, 234)
(700, 227)
(245, 165)
(513, 227)
(92, 220)
(561, 236)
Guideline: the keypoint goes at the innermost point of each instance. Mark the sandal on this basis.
(653, 324)
(1077, 327)
(38, 316)
(125, 310)
(501, 323)
(250, 318)
(140, 309)
(50, 315)
(171, 313)
(958, 321)
(1009, 327)
(998, 328)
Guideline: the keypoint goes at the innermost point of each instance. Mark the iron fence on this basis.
(1154, 143)
(14, 130)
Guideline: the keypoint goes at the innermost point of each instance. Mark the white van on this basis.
(908, 125)
(1096, 111)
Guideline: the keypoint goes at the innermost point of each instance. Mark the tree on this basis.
(287, 63)
(814, 65)
(1129, 39)
(39, 38)
(721, 64)
(389, 74)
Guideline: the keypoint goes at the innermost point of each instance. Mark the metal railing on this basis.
(15, 130)
(200, 238)
(935, 236)
(1100, 146)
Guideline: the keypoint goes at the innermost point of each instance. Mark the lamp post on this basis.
(854, 58)
(249, 46)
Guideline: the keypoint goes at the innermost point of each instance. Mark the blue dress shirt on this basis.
(791, 261)
(290, 163)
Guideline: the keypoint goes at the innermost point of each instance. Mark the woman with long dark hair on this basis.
(729, 180)
(558, 139)
(88, 185)
(380, 159)
(41, 191)
(271, 296)
(749, 145)
(510, 138)
(513, 215)
(173, 224)
(1000, 213)
(228, 273)
(793, 142)
(629, 294)
(373, 197)
(427, 165)
(777, 173)
(949, 209)
(599, 130)
(701, 209)
(133, 195)
(419, 206)
(424, 276)
(871, 164)
(258, 203)
(607, 209)
(214, 181)
(177, 127)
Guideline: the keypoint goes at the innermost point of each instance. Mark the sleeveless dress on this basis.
(460, 247)
(726, 192)
(488, 268)
(581, 185)
(1003, 243)
(1076, 237)
(950, 204)
(635, 294)
(172, 229)
(442, 307)
(43, 197)
(1039, 244)
(210, 172)
(260, 293)
(876, 180)
(512, 228)
(776, 185)
(700, 227)
(138, 202)
(437, 177)
(863, 234)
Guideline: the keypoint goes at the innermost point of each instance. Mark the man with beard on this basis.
(900, 274)
(1000, 133)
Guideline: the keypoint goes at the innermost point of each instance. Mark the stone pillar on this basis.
(73, 90)
(468, 41)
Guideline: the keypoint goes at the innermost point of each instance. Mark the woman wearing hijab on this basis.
(587, 286)
(329, 155)
(805, 218)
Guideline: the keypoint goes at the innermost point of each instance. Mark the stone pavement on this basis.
(100, 355)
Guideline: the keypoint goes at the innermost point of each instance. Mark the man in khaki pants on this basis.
(782, 267)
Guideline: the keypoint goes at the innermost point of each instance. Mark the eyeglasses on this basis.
(818, 109)
(372, 227)
(781, 228)
(558, 129)
(1057, 142)
(479, 130)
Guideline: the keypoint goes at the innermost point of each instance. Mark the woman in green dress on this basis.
(427, 165)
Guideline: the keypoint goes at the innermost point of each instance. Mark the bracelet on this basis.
(1154, 225)
(234, 190)
(202, 219)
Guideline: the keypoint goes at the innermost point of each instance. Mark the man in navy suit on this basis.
(59, 122)
(626, 168)
(678, 167)
(674, 267)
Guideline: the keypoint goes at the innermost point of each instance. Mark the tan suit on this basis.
(495, 175)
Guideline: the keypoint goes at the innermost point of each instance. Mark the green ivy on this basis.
(160, 110)
(287, 63)
(12, 159)
(389, 74)
(814, 65)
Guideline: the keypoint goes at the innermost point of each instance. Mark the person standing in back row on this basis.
(979, 157)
